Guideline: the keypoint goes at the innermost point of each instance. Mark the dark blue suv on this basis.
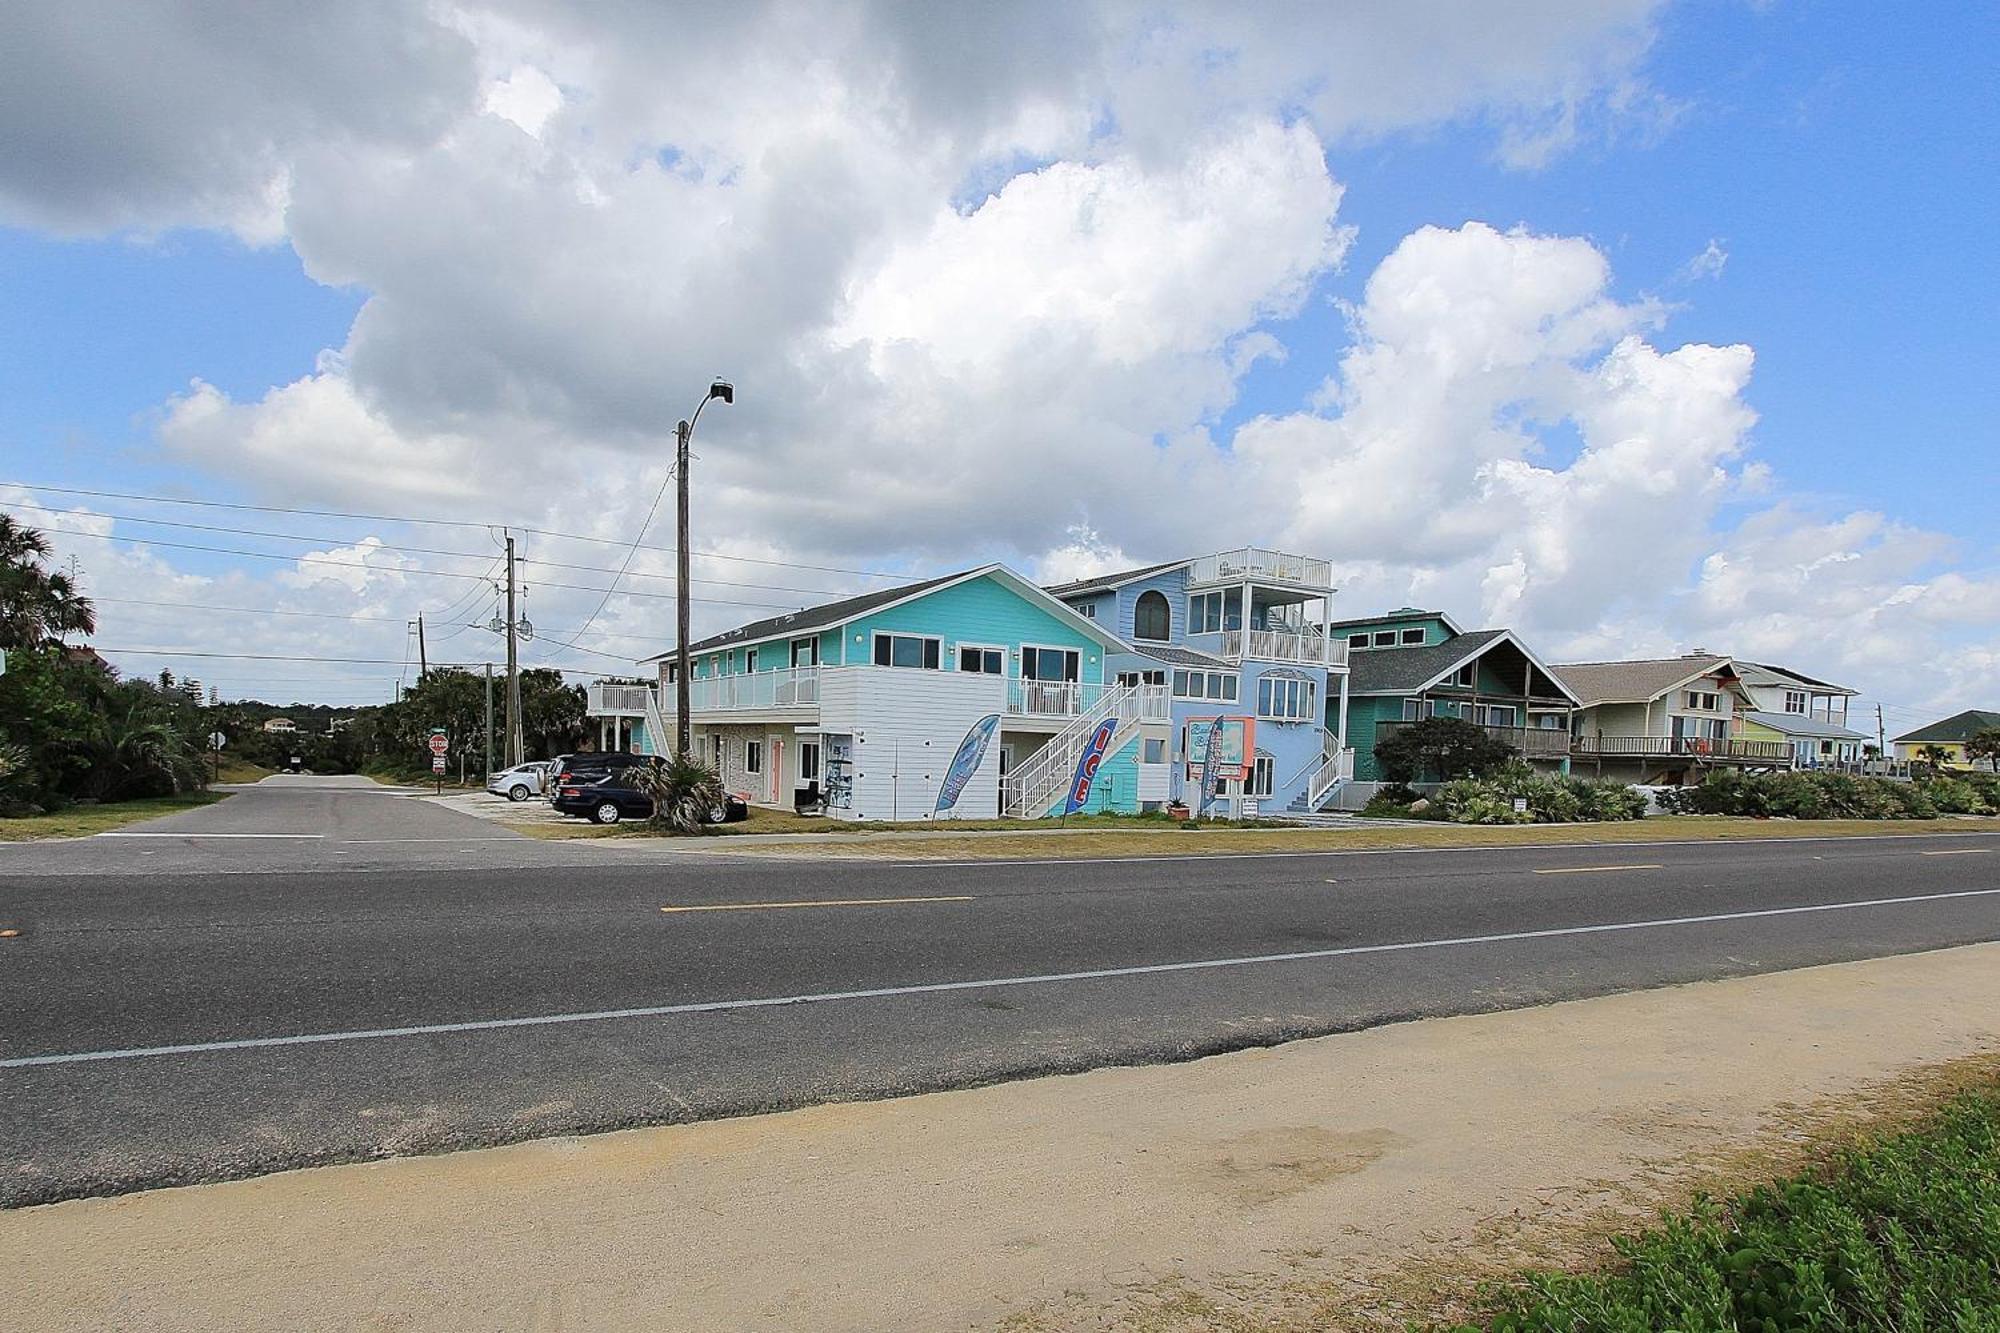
(609, 797)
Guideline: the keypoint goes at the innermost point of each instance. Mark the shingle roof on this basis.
(813, 618)
(1633, 682)
(1394, 670)
(1796, 724)
(1958, 727)
(1180, 657)
(1106, 582)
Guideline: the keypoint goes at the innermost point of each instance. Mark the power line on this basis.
(378, 569)
(453, 523)
(307, 657)
(319, 539)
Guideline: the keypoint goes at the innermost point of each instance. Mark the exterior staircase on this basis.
(1044, 776)
(1334, 767)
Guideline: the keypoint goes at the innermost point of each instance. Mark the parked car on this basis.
(608, 797)
(521, 781)
(588, 766)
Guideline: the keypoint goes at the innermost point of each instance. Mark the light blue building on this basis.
(870, 698)
(1238, 634)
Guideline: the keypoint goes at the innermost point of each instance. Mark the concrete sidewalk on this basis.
(1285, 1181)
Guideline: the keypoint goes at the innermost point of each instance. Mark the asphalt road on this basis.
(196, 1007)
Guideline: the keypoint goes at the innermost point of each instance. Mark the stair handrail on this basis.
(1058, 753)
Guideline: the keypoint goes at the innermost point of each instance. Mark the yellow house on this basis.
(1948, 736)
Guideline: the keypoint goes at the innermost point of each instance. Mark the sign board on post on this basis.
(437, 764)
(440, 742)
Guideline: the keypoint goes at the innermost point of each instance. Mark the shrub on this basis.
(684, 792)
(1471, 801)
(1955, 796)
(1902, 1233)
(1442, 747)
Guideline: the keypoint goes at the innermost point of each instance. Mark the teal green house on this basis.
(1412, 664)
(967, 696)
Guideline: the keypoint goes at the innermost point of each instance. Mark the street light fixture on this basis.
(683, 433)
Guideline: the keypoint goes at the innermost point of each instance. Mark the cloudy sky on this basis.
(1634, 326)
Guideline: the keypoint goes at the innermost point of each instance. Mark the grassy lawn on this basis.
(1211, 840)
(1898, 1231)
(239, 770)
(81, 820)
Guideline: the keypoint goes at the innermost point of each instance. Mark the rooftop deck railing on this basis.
(1255, 564)
(1719, 749)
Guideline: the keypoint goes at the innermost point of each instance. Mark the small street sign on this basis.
(216, 740)
(437, 764)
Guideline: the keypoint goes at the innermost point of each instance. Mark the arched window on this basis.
(1151, 619)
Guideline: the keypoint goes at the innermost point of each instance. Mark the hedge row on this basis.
(1900, 1234)
(1810, 795)
(1491, 800)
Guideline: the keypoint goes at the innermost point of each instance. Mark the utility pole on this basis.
(1881, 738)
(683, 729)
(683, 667)
(423, 658)
(514, 730)
(489, 722)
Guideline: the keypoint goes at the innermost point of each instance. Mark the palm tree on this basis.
(686, 792)
(36, 605)
(133, 752)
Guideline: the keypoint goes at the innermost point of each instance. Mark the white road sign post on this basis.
(440, 744)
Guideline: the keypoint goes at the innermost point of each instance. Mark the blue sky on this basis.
(1835, 163)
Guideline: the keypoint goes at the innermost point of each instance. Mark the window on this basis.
(1263, 776)
(1412, 636)
(1495, 715)
(1357, 641)
(1088, 610)
(1142, 678)
(1050, 663)
(1209, 612)
(1151, 617)
(670, 673)
(750, 660)
(716, 744)
(1702, 701)
(1795, 701)
(1155, 750)
(1413, 710)
(985, 661)
(906, 650)
(1465, 675)
(1216, 686)
(1385, 638)
(808, 761)
(753, 756)
(1285, 699)
(805, 652)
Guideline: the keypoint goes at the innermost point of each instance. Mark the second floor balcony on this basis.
(795, 693)
(1274, 645)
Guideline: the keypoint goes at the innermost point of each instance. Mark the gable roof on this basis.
(1108, 582)
(1174, 655)
(828, 615)
(1409, 670)
(1635, 682)
(1396, 618)
(1958, 727)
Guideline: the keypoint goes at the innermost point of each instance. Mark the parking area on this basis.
(500, 810)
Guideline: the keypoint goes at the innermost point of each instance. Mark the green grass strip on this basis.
(1899, 1233)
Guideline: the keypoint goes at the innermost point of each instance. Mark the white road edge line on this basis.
(1405, 851)
(312, 837)
(940, 987)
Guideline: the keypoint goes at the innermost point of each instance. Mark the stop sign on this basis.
(439, 743)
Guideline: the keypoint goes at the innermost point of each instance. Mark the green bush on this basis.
(1550, 800)
(1476, 801)
(1956, 796)
(1815, 795)
(1902, 1234)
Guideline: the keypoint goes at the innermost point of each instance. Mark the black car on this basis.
(589, 766)
(608, 797)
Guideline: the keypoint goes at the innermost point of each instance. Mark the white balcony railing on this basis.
(1255, 564)
(792, 687)
(607, 700)
(1267, 645)
(1051, 698)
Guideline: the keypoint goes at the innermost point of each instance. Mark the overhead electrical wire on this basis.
(452, 523)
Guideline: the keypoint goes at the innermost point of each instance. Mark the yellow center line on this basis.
(819, 902)
(1591, 870)
(1958, 851)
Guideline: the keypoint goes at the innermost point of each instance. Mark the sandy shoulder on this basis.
(1263, 1180)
